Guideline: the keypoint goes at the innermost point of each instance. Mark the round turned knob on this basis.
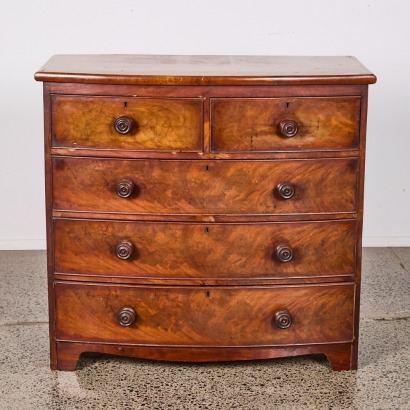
(125, 189)
(123, 125)
(283, 319)
(124, 250)
(288, 128)
(283, 252)
(126, 316)
(285, 190)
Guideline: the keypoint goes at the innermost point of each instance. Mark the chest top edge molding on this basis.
(204, 70)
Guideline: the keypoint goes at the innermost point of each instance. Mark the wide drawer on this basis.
(204, 316)
(127, 123)
(205, 187)
(165, 250)
(285, 124)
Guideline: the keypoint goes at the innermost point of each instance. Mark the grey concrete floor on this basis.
(102, 382)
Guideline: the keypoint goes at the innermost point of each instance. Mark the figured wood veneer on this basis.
(205, 251)
(205, 187)
(214, 316)
(204, 208)
(253, 124)
(155, 123)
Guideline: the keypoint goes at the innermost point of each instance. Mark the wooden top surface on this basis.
(204, 70)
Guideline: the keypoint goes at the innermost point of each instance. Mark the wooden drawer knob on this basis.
(124, 250)
(126, 316)
(283, 252)
(285, 190)
(283, 319)
(288, 128)
(125, 189)
(124, 125)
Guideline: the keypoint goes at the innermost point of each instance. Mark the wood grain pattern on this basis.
(339, 355)
(214, 316)
(253, 124)
(208, 91)
(205, 187)
(172, 197)
(159, 123)
(200, 251)
(202, 70)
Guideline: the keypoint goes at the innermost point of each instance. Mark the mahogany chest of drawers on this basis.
(204, 208)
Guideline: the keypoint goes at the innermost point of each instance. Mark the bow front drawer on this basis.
(205, 187)
(127, 123)
(205, 316)
(285, 124)
(193, 251)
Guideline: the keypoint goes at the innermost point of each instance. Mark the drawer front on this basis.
(205, 187)
(268, 124)
(206, 316)
(162, 250)
(127, 123)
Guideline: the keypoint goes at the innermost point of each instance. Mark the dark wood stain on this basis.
(186, 250)
(191, 187)
(253, 124)
(181, 316)
(204, 208)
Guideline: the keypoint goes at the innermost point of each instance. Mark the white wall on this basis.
(377, 32)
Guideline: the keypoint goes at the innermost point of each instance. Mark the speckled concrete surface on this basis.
(102, 382)
(403, 255)
(385, 284)
(23, 295)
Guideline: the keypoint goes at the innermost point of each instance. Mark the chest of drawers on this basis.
(204, 208)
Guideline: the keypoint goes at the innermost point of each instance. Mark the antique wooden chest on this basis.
(204, 208)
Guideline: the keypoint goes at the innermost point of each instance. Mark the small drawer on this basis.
(205, 187)
(285, 124)
(191, 251)
(127, 123)
(205, 316)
